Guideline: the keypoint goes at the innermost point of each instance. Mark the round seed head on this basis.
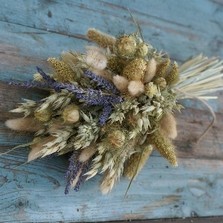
(116, 138)
(71, 114)
(126, 46)
(142, 50)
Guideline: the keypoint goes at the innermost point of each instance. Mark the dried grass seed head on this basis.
(116, 138)
(121, 83)
(137, 161)
(161, 83)
(151, 90)
(63, 72)
(135, 69)
(96, 58)
(142, 50)
(173, 76)
(162, 68)
(150, 70)
(71, 114)
(102, 39)
(163, 145)
(29, 124)
(43, 115)
(116, 64)
(135, 88)
(168, 125)
(126, 46)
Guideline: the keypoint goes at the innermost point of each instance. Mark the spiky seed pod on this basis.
(150, 70)
(102, 39)
(43, 115)
(135, 88)
(116, 64)
(135, 69)
(168, 125)
(163, 145)
(24, 124)
(121, 83)
(173, 76)
(151, 89)
(162, 68)
(116, 138)
(96, 58)
(126, 46)
(137, 161)
(63, 72)
(142, 50)
(71, 114)
(132, 119)
(161, 83)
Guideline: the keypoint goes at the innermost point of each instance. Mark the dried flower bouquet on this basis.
(112, 106)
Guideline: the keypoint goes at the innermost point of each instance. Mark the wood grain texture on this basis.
(31, 31)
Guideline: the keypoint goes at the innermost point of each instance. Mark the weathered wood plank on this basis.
(31, 31)
(39, 29)
(159, 190)
(187, 220)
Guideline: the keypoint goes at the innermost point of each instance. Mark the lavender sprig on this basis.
(75, 166)
(30, 84)
(45, 76)
(105, 115)
(102, 82)
(89, 96)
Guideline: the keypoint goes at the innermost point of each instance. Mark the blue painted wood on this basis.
(31, 31)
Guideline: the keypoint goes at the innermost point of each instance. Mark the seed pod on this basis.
(63, 72)
(71, 114)
(137, 161)
(142, 50)
(126, 46)
(135, 69)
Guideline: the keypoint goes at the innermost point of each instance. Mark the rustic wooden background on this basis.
(31, 31)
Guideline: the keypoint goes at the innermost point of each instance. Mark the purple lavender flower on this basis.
(105, 115)
(45, 76)
(75, 166)
(30, 84)
(89, 96)
(102, 82)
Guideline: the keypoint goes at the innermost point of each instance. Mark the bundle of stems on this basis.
(200, 77)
